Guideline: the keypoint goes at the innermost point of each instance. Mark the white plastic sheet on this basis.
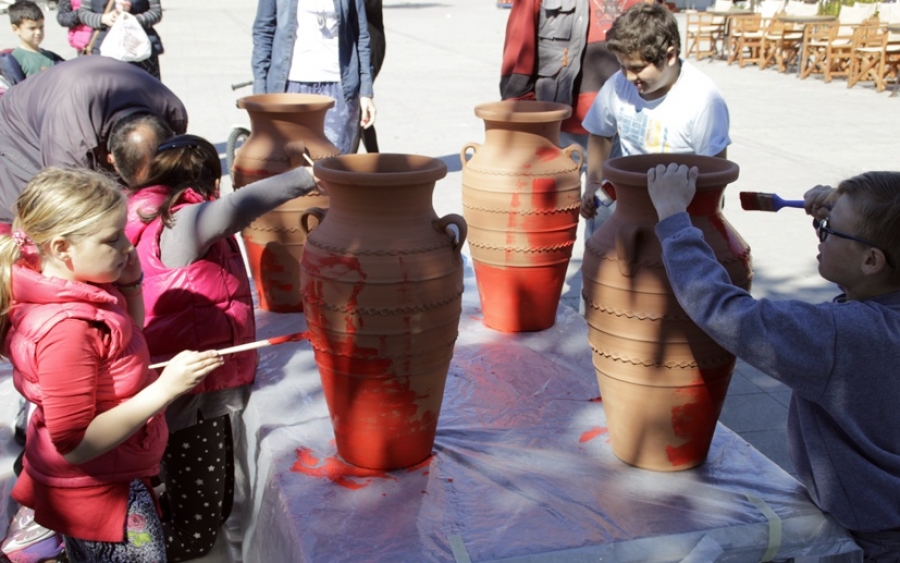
(522, 472)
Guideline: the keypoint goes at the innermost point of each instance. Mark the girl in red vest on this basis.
(71, 283)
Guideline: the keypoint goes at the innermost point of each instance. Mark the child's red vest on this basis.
(40, 303)
(204, 306)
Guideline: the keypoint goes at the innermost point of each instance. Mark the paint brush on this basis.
(759, 201)
(309, 160)
(251, 345)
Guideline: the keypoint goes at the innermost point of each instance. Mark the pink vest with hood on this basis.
(204, 306)
(40, 303)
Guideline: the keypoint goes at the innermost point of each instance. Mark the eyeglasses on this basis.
(823, 230)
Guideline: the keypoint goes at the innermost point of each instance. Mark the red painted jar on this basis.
(274, 241)
(662, 379)
(382, 281)
(521, 195)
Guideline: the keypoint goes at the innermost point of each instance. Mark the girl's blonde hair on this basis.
(71, 204)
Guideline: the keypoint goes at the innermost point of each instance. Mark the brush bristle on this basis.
(757, 201)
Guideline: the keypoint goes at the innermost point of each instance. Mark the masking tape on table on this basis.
(459, 549)
(774, 526)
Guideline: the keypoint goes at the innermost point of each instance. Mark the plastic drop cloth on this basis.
(522, 471)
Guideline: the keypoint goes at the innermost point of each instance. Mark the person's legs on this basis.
(341, 121)
(199, 478)
(143, 535)
(879, 547)
(151, 65)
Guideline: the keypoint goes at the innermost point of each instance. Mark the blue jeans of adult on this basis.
(341, 121)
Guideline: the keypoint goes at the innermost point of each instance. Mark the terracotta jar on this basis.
(662, 379)
(382, 281)
(521, 195)
(274, 241)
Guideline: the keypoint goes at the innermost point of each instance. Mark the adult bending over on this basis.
(64, 115)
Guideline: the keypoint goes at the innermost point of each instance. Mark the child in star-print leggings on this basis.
(199, 474)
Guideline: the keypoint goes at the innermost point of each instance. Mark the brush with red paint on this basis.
(252, 345)
(759, 201)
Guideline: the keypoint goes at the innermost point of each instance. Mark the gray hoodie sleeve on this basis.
(790, 340)
(198, 226)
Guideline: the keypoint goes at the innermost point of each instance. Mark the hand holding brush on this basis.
(759, 201)
(252, 345)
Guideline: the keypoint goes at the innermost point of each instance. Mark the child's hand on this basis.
(817, 201)
(588, 205)
(187, 369)
(132, 272)
(671, 188)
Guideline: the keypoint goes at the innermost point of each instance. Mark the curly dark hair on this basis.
(648, 29)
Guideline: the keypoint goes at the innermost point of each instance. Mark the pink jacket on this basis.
(204, 306)
(40, 303)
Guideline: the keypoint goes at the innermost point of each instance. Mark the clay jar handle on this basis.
(443, 224)
(464, 150)
(316, 212)
(628, 240)
(575, 148)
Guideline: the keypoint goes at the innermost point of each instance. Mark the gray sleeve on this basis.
(776, 337)
(198, 226)
(89, 17)
(152, 16)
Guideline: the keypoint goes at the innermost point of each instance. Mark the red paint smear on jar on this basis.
(335, 470)
(546, 154)
(693, 421)
(333, 270)
(592, 433)
(543, 193)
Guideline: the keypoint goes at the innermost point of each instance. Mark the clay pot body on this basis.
(662, 379)
(521, 196)
(274, 241)
(382, 281)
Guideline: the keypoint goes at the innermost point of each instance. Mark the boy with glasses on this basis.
(839, 358)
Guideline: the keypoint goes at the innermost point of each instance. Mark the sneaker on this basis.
(29, 542)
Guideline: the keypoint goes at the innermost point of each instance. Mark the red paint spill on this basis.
(450, 480)
(425, 463)
(592, 433)
(337, 471)
(596, 400)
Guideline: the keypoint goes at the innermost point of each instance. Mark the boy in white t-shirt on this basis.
(656, 103)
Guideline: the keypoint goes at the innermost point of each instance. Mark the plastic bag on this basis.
(126, 40)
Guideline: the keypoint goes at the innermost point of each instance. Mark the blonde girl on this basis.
(70, 317)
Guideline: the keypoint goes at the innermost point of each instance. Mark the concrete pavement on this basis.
(443, 58)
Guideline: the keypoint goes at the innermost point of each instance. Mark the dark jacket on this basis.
(63, 115)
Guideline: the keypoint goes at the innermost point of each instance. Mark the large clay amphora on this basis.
(521, 195)
(382, 280)
(662, 379)
(274, 241)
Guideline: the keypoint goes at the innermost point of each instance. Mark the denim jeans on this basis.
(879, 547)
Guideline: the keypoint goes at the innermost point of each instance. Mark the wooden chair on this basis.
(780, 44)
(816, 38)
(745, 39)
(703, 32)
(874, 58)
(839, 52)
